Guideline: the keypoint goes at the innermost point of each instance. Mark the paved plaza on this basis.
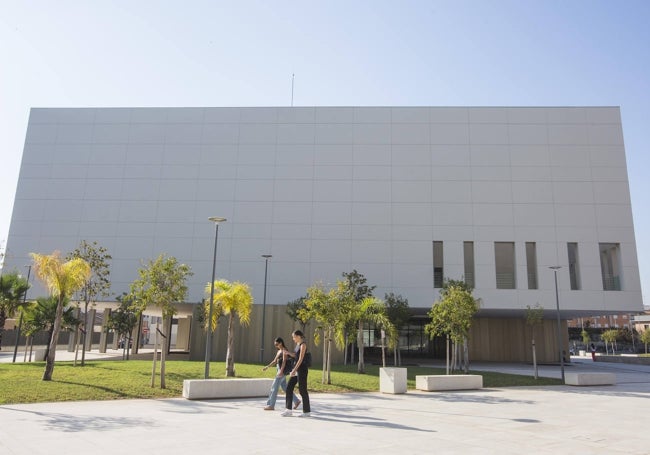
(536, 420)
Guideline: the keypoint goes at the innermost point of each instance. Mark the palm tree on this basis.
(230, 299)
(371, 310)
(12, 293)
(42, 314)
(62, 279)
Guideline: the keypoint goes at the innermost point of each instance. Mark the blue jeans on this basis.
(277, 383)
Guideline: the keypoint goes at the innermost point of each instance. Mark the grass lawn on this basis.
(115, 379)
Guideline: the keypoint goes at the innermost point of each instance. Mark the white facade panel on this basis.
(326, 190)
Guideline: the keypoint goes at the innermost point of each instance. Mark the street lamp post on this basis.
(20, 320)
(555, 268)
(208, 342)
(266, 269)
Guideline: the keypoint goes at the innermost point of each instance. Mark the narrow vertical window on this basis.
(574, 269)
(438, 274)
(504, 256)
(468, 256)
(610, 267)
(531, 264)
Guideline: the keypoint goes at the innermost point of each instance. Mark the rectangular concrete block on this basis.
(432, 383)
(201, 389)
(392, 380)
(584, 379)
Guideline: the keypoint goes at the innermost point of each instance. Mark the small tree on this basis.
(610, 336)
(534, 316)
(122, 321)
(12, 294)
(161, 283)
(63, 279)
(354, 289)
(295, 310)
(586, 338)
(452, 315)
(97, 285)
(327, 308)
(645, 338)
(397, 310)
(232, 299)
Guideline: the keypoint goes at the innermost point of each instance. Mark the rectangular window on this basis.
(610, 267)
(438, 275)
(504, 257)
(574, 269)
(531, 264)
(468, 256)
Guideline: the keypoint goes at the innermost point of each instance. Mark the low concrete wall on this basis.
(431, 383)
(586, 379)
(631, 359)
(202, 389)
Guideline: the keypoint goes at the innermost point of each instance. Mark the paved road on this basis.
(537, 420)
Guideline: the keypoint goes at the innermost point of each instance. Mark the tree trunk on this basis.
(466, 356)
(3, 319)
(155, 357)
(329, 359)
(230, 363)
(163, 352)
(83, 335)
(51, 352)
(447, 354)
(361, 368)
(345, 351)
(535, 360)
(323, 378)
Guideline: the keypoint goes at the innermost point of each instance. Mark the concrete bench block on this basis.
(583, 379)
(201, 389)
(392, 380)
(432, 383)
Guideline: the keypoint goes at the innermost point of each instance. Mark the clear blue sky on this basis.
(242, 53)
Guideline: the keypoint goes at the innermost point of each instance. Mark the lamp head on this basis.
(216, 219)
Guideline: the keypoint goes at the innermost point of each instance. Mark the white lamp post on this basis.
(208, 341)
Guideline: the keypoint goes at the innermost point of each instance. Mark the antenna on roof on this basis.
(292, 77)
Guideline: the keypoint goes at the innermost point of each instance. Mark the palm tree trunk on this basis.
(51, 353)
(230, 363)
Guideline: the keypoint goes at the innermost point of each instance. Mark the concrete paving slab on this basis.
(540, 420)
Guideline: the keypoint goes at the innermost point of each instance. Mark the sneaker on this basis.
(305, 414)
(269, 408)
(286, 413)
(295, 406)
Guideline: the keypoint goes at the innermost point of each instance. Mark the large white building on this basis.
(405, 195)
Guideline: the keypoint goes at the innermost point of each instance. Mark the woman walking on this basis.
(298, 375)
(284, 365)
